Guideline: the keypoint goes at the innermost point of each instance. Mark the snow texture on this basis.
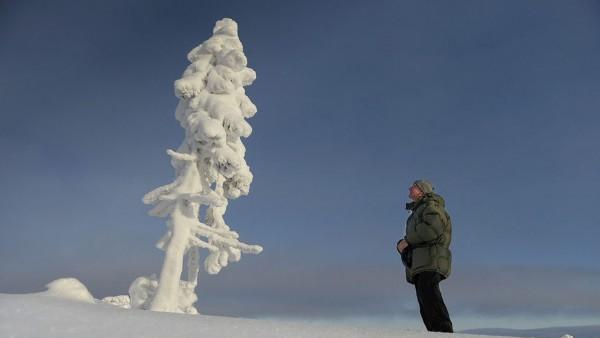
(69, 288)
(32, 316)
(122, 301)
(210, 169)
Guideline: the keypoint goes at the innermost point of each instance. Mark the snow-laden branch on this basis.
(197, 242)
(202, 229)
(181, 157)
(208, 199)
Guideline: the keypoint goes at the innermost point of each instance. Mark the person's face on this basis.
(414, 193)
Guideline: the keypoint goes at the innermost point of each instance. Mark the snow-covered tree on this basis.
(209, 168)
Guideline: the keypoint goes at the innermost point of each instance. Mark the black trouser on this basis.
(433, 310)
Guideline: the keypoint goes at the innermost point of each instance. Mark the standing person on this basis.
(426, 253)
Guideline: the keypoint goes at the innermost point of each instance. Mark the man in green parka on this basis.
(426, 253)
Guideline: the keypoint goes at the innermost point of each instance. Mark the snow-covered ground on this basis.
(67, 309)
(587, 331)
(37, 315)
(47, 315)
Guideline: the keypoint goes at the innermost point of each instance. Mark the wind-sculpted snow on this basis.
(69, 288)
(210, 169)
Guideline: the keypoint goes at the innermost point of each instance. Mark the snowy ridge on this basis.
(35, 316)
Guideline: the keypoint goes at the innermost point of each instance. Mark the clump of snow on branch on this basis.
(210, 169)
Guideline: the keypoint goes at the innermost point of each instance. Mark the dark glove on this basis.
(406, 255)
(397, 244)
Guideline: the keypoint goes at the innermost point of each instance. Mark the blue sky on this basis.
(496, 102)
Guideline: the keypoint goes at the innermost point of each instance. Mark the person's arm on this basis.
(429, 230)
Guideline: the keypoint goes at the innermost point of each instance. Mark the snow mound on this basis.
(69, 288)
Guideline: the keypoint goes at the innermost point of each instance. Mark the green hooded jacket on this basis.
(429, 233)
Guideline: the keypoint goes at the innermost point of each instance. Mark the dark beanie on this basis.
(425, 186)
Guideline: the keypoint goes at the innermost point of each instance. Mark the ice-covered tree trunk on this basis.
(209, 169)
(169, 284)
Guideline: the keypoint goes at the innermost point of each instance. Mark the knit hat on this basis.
(425, 186)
